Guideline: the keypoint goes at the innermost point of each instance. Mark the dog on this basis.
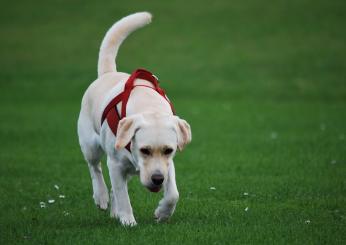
(142, 141)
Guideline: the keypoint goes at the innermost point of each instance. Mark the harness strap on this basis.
(111, 105)
(145, 75)
(111, 111)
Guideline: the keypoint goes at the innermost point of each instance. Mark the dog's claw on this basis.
(102, 208)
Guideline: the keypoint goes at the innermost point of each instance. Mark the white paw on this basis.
(162, 213)
(124, 218)
(101, 199)
(166, 208)
(127, 220)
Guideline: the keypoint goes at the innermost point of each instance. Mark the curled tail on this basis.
(115, 36)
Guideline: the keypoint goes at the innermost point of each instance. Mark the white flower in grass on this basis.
(42, 204)
(273, 135)
(307, 221)
(246, 194)
(322, 126)
(62, 196)
(56, 187)
(212, 188)
(50, 201)
(246, 209)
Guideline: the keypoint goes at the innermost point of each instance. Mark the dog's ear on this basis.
(126, 130)
(184, 135)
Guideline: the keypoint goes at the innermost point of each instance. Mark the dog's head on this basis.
(154, 142)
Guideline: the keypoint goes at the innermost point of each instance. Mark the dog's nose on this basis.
(157, 179)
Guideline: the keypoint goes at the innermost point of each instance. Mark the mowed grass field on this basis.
(263, 85)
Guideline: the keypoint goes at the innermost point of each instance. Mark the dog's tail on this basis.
(115, 36)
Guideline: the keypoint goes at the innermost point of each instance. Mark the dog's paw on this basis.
(163, 214)
(166, 208)
(101, 199)
(127, 220)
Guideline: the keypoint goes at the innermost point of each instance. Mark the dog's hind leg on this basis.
(93, 152)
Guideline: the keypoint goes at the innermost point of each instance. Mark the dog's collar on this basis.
(111, 112)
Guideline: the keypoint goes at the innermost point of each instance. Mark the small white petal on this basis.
(56, 187)
(273, 135)
(246, 209)
(61, 196)
(212, 188)
(307, 221)
(42, 204)
(322, 126)
(51, 201)
(246, 193)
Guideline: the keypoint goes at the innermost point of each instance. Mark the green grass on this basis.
(263, 85)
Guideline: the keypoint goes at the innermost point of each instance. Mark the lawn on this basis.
(263, 85)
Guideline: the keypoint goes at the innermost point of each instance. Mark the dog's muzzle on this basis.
(157, 180)
(154, 188)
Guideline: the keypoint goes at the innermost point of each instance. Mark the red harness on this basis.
(111, 111)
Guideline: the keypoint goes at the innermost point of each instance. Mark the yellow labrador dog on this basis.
(143, 141)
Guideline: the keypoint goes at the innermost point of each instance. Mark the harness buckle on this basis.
(157, 79)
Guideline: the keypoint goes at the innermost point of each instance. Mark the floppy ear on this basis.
(183, 133)
(126, 130)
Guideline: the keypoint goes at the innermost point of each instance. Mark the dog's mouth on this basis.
(154, 188)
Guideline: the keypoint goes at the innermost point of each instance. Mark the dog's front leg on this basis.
(171, 195)
(120, 206)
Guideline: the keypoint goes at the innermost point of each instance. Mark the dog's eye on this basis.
(145, 151)
(168, 151)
